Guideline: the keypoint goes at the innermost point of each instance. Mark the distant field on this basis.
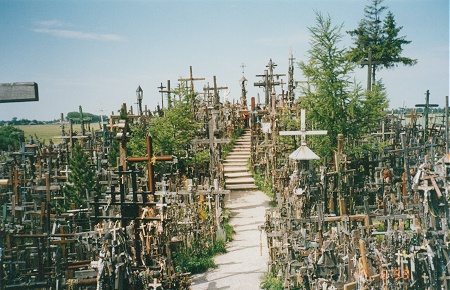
(46, 132)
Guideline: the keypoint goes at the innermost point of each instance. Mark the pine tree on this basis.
(331, 101)
(81, 177)
(380, 38)
(334, 102)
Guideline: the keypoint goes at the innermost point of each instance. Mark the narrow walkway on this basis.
(237, 176)
(246, 258)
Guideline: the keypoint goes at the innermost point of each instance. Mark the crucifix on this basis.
(426, 109)
(150, 159)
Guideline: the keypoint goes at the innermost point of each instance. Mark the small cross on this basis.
(243, 66)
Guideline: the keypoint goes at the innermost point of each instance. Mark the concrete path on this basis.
(243, 265)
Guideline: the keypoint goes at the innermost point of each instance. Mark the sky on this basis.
(96, 53)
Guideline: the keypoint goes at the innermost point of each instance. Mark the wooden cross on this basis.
(18, 92)
(216, 89)
(161, 87)
(191, 79)
(211, 141)
(412, 117)
(426, 109)
(268, 83)
(303, 152)
(150, 159)
(370, 64)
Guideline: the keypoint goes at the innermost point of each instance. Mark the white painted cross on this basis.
(303, 152)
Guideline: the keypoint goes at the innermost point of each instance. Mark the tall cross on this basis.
(161, 87)
(191, 79)
(303, 152)
(216, 92)
(243, 66)
(211, 141)
(426, 109)
(268, 83)
(168, 92)
(370, 65)
(291, 82)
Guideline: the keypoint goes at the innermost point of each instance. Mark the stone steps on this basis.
(237, 175)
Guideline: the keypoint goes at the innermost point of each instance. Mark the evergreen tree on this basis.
(81, 177)
(380, 38)
(331, 102)
(334, 102)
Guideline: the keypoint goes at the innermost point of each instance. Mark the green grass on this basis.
(46, 132)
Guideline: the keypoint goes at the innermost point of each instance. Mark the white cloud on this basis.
(55, 28)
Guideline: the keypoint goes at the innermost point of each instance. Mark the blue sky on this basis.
(96, 53)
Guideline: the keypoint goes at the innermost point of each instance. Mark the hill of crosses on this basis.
(140, 201)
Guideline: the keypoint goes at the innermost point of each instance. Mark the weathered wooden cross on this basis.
(370, 65)
(426, 109)
(191, 79)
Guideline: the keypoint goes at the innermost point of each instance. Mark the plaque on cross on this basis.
(303, 152)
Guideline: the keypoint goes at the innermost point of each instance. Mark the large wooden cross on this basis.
(370, 65)
(303, 152)
(18, 92)
(268, 83)
(191, 79)
(211, 141)
(216, 89)
(426, 109)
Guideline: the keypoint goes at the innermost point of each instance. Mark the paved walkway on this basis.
(243, 265)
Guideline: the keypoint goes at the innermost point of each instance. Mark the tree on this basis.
(334, 102)
(81, 177)
(330, 100)
(379, 38)
(10, 138)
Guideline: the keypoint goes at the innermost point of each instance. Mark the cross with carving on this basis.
(216, 93)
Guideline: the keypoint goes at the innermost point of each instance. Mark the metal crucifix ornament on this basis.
(303, 152)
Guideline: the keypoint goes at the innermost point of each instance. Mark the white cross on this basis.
(303, 148)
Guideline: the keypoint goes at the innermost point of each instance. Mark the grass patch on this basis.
(271, 282)
(199, 257)
(46, 132)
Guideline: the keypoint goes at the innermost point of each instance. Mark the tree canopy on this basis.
(380, 38)
(333, 100)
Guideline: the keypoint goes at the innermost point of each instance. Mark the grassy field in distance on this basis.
(46, 132)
